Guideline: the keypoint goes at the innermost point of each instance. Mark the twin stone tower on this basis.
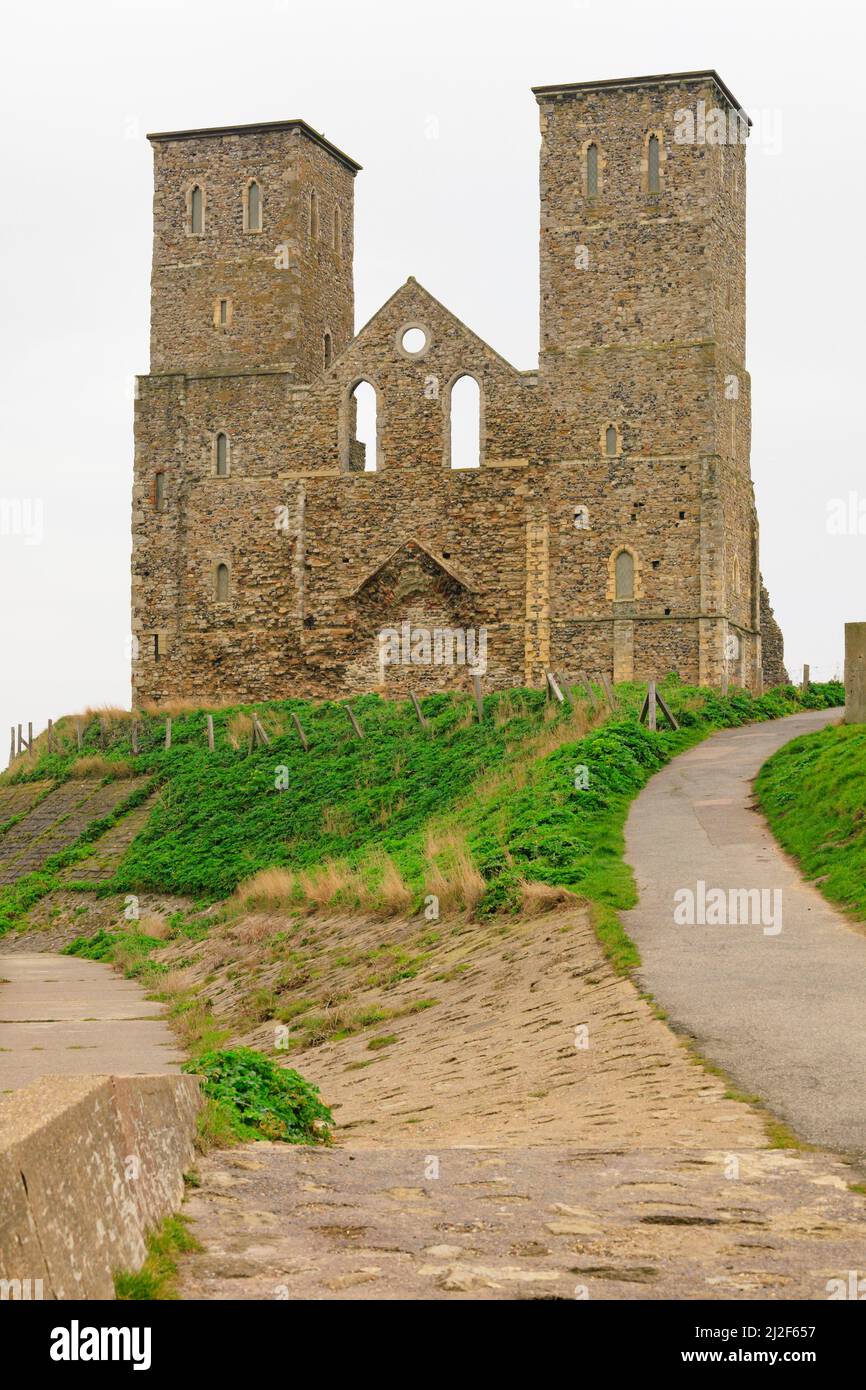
(606, 522)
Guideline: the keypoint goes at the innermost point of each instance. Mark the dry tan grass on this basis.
(330, 885)
(111, 714)
(536, 898)
(239, 729)
(269, 888)
(176, 982)
(451, 875)
(154, 924)
(171, 709)
(392, 897)
(94, 765)
(254, 929)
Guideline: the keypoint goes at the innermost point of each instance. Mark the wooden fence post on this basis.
(553, 688)
(353, 721)
(566, 692)
(12, 749)
(79, 737)
(421, 720)
(301, 735)
(674, 723)
(479, 698)
(260, 733)
(609, 693)
(648, 708)
(50, 737)
(210, 733)
(168, 733)
(651, 701)
(587, 684)
(806, 674)
(30, 737)
(20, 741)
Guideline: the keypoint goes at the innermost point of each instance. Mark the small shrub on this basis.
(264, 1101)
(99, 946)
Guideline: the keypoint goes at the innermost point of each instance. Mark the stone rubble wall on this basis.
(322, 556)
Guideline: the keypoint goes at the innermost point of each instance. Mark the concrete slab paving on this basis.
(61, 1015)
(782, 1011)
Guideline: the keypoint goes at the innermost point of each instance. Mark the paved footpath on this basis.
(60, 1015)
(784, 1014)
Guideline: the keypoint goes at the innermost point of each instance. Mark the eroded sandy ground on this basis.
(488, 1153)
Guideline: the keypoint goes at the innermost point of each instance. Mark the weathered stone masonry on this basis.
(610, 525)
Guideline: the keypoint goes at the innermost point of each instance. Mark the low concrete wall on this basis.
(88, 1164)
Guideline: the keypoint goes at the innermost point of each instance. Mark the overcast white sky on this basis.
(434, 101)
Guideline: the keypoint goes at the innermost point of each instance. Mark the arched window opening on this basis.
(625, 574)
(254, 207)
(196, 210)
(338, 230)
(159, 492)
(314, 215)
(363, 429)
(653, 165)
(327, 350)
(222, 583)
(222, 455)
(581, 518)
(465, 423)
(592, 170)
(611, 441)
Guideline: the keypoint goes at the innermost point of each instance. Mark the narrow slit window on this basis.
(592, 171)
(222, 583)
(159, 492)
(465, 423)
(196, 211)
(611, 440)
(222, 455)
(224, 312)
(156, 646)
(338, 230)
(625, 574)
(314, 215)
(254, 207)
(327, 350)
(653, 165)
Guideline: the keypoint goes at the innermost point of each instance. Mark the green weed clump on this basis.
(260, 1100)
(99, 946)
(813, 793)
(157, 1276)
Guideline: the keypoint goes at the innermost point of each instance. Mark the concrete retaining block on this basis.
(855, 673)
(88, 1164)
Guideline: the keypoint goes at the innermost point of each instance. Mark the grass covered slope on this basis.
(813, 793)
(466, 811)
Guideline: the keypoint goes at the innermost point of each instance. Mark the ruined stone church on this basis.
(605, 519)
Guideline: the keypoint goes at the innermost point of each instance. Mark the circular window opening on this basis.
(414, 341)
